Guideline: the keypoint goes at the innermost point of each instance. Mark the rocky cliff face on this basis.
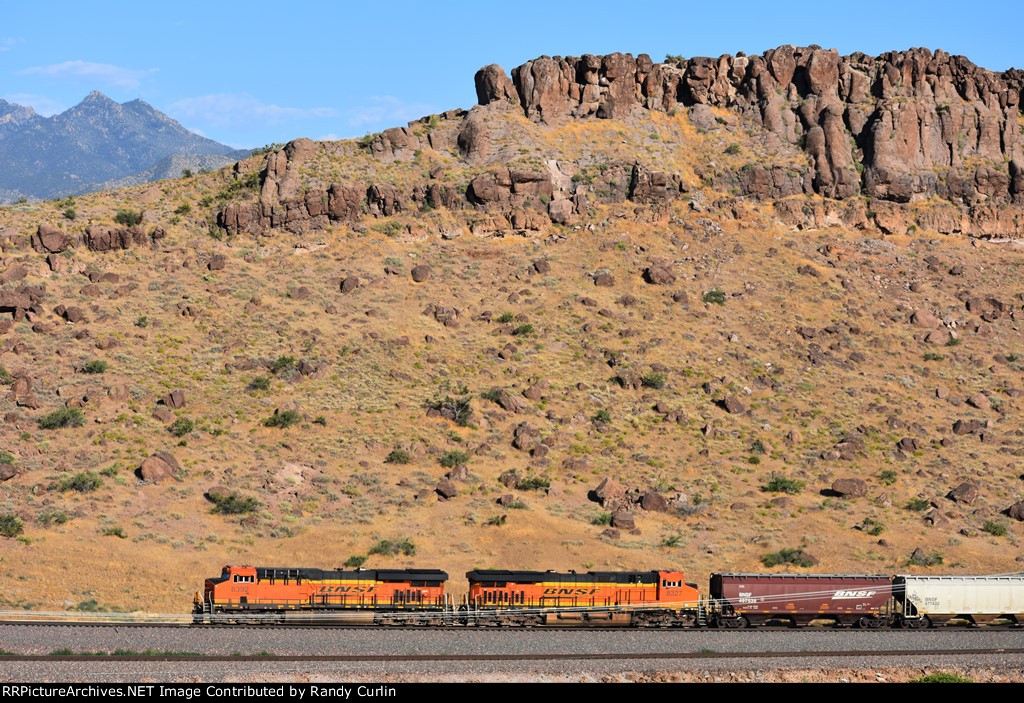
(904, 140)
(903, 126)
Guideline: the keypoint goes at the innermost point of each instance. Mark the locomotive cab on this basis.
(673, 588)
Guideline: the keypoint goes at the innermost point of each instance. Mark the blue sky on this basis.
(250, 73)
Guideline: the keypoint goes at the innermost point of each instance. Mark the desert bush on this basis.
(394, 547)
(795, 557)
(781, 484)
(82, 482)
(61, 418)
(181, 427)
(11, 525)
(715, 296)
(398, 456)
(233, 504)
(283, 419)
(128, 218)
(453, 458)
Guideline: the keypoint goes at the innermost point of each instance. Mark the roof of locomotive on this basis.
(265, 572)
(562, 577)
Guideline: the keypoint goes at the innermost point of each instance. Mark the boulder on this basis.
(850, 487)
(732, 405)
(159, 466)
(446, 490)
(966, 492)
(654, 501)
(623, 520)
(659, 275)
(50, 240)
(1016, 511)
(175, 399)
(421, 273)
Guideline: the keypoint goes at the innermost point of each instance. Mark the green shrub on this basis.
(389, 547)
(715, 296)
(52, 517)
(932, 356)
(70, 213)
(183, 209)
(873, 527)
(282, 363)
(780, 484)
(459, 410)
(398, 456)
(115, 531)
(453, 458)
(754, 459)
(506, 317)
(602, 519)
(887, 477)
(523, 330)
(61, 418)
(732, 149)
(795, 557)
(355, 561)
(233, 504)
(918, 504)
(128, 218)
(534, 483)
(142, 321)
(95, 366)
(994, 528)
(941, 677)
(603, 415)
(11, 525)
(283, 419)
(5, 377)
(6, 458)
(933, 559)
(82, 482)
(260, 383)
(654, 379)
(182, 426)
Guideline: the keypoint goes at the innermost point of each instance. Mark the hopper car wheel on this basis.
(918, 623)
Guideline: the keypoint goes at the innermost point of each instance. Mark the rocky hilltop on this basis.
(902, 141)
(735, 314)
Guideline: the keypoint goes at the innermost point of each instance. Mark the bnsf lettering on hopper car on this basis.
(844, 595)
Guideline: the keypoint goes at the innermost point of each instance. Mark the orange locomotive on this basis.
(261, 594)
(601, 597)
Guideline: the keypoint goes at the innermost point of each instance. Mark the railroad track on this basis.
(259, 627)
(362, 658)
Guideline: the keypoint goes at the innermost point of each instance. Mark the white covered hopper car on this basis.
(980, 599)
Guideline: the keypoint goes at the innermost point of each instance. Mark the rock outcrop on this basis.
(933, 140)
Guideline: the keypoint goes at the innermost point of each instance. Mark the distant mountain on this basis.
(95, 144)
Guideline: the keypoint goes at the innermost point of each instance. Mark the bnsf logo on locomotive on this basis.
(840, 595)
(346, 589)
(570, 591)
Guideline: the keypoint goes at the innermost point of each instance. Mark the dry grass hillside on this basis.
(709, 361)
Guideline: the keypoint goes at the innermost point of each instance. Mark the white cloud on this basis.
(240, 109)
(332, 137)
(40, 103)
(93, 73)
(8, 43)
(387, 109)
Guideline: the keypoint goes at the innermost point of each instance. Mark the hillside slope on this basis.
(500, 339)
